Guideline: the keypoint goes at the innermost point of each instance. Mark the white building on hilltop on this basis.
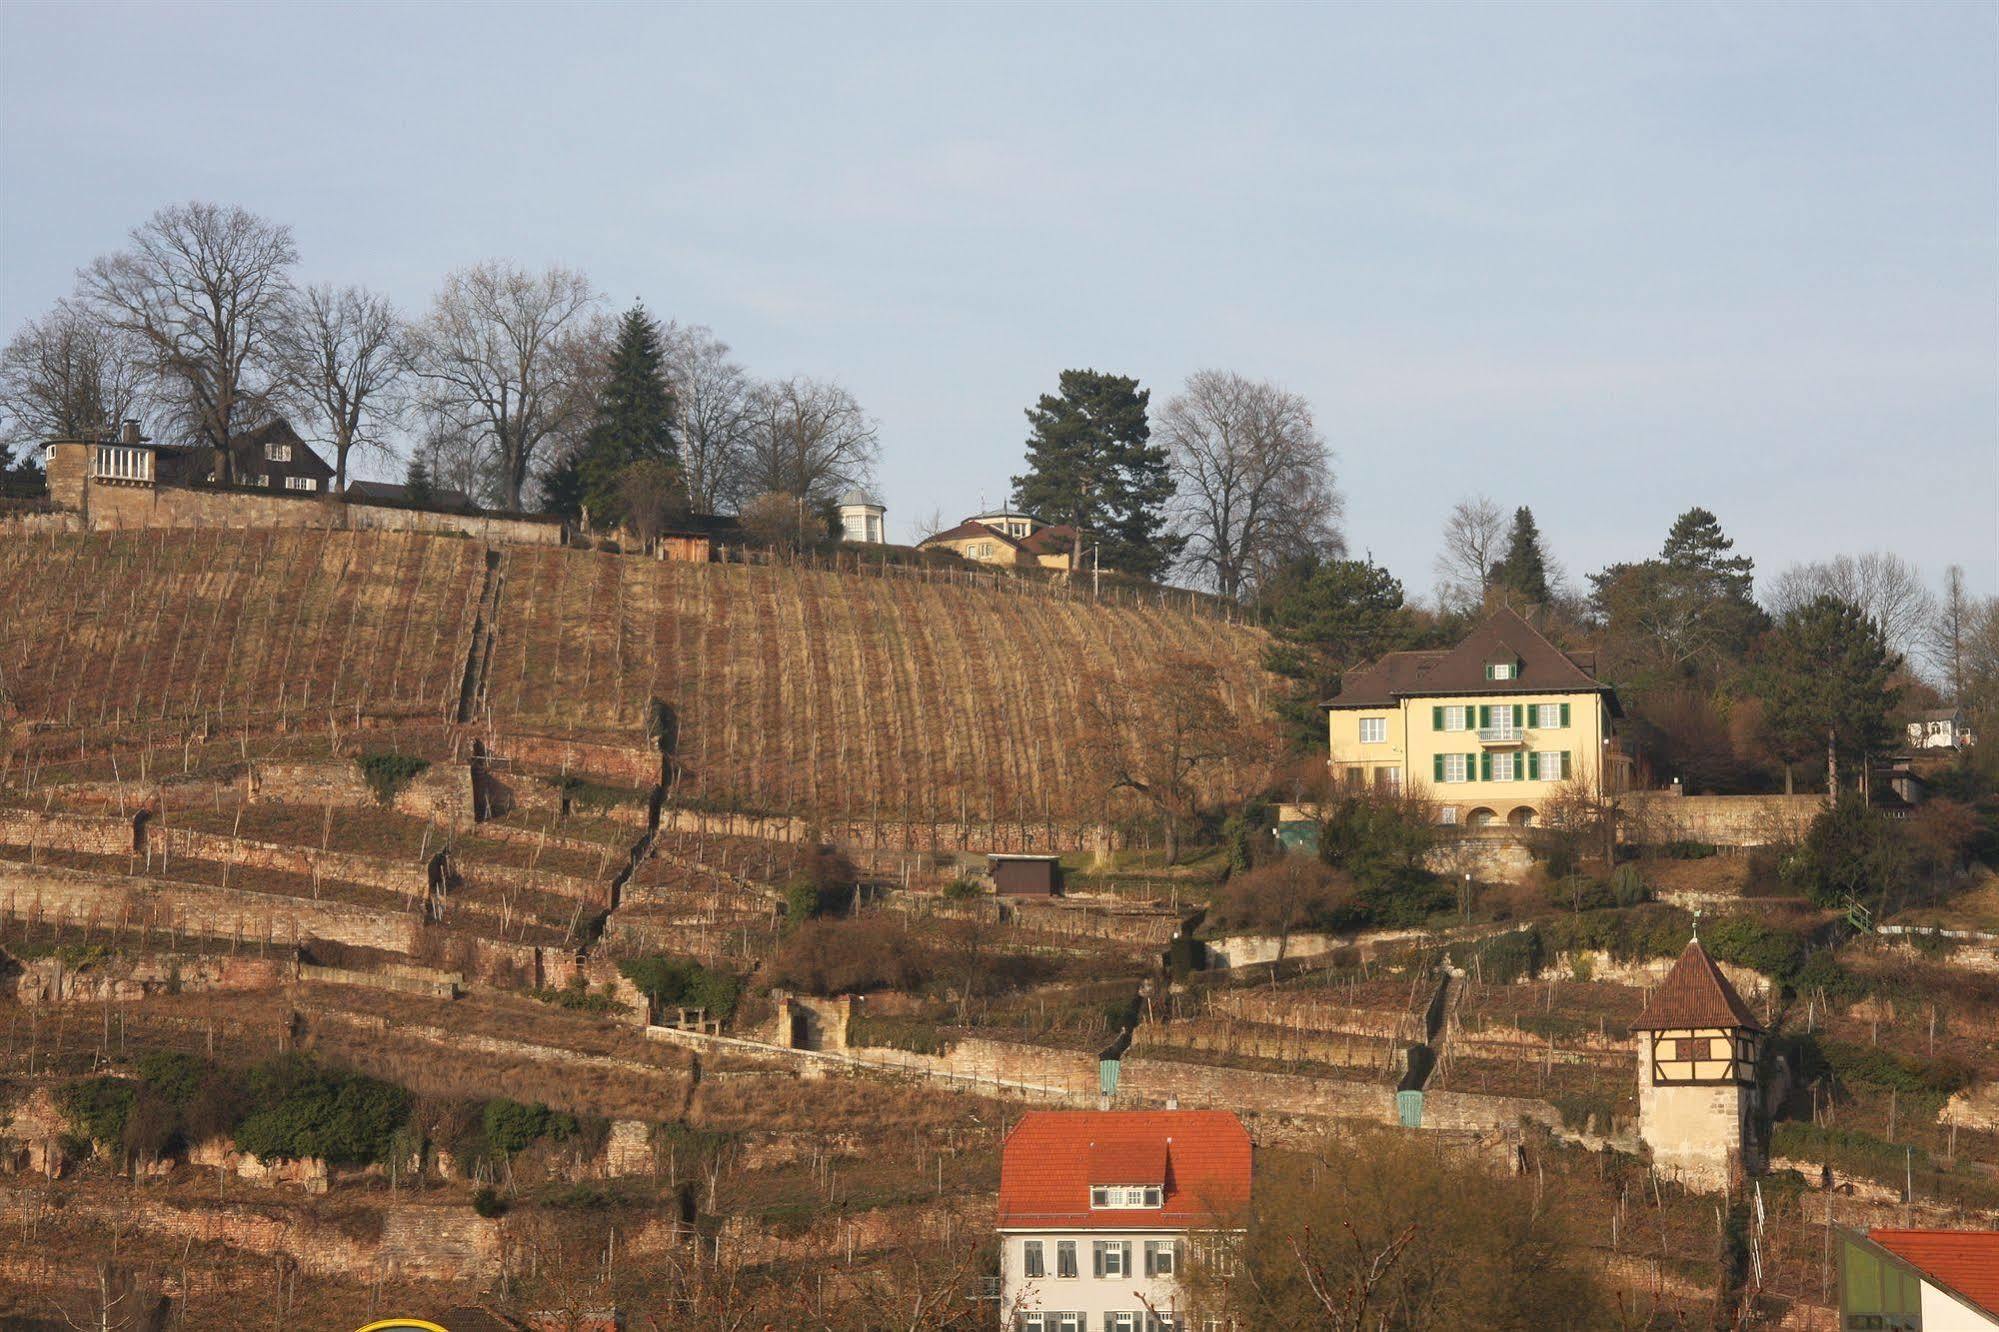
(862, 518)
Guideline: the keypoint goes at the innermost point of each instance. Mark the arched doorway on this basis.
(1480, 818)
(1522, 817)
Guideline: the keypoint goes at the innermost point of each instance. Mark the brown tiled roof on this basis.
(1965, 1262)
(1056, 539)
(1543, 668)
(1695, 994)
(968, 531)
(1052, 1157)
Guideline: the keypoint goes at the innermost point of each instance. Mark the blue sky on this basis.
(1609, 261)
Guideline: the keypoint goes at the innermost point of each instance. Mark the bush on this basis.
(822, 884)
(1850, 852)
(1502, 958)
(895, 1033)
(1376, 840)
(1749, 942)
(962, 890)
(1685, 849)
(511, 1126)
(1579, 892)
(1627, 886)
(682, 982)
(828, 957)
(302, 1110)
(97, 1109)
(578, 997)
(487, 1203)
(388, 774)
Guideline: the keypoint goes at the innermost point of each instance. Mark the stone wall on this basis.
(441, 793)
(1650, 817)
(130, 506)
(49, 980)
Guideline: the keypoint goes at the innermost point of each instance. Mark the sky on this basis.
(1608, 261)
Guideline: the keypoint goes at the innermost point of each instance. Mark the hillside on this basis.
(806, 692)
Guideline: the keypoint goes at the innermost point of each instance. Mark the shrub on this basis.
(1375, 840)
(895, 1033)
(962, 890)
(387, 774)
(1502, 958)
(1579, 892)
(822, 884)
(1287, 894)
(827, 957)
(487, 1203)
(578, 997)
(512, 1126)
(302, 1110)
(1407, 898)
(1627, 886)
(97, 1108)
(1749, 942)
(1685, 849)
(1850, 851)
(682, 981)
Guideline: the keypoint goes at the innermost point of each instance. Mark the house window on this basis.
(301, 483)
(1502, 767)
(1454, 768)
(1051, 1320)
(1455, 717)
(1373, 730)
(1124, 1321)
(1161, 1257)
(1356, 778)
(1163, 1322)
(1499, 670)
(1030, 1259)
(1448, 814)
(1135, 1196)
(1388, 779)
(277, 453)
(1692, 1050)
(1548, 716)
(1110, 1258)
(1065, 1258)
(1548, 766)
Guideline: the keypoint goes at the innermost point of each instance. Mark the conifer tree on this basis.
(634, 418)
(1524, 571)
(417, 484)
(1091, 463)
(1826, 677)
(1325, 618)
(1696, 545)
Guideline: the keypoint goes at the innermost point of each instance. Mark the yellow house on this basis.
(1491, 727)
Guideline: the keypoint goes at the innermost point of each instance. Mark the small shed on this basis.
(1026, 876)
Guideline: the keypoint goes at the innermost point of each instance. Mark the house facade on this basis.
(1010, 538)
(862, 518)
(1100, 1210)
(1940, 728)
(1491, 728)
(1919, 1280)
(1698, 1096)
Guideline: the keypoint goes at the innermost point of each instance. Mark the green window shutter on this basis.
(1519, 716)
(1436, 719)
(1484, 715)
(1485, 766)
(1565, 714)
(1567, 771)
(1437, 766)
(1488, 670)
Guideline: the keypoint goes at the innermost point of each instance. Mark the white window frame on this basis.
(1503, 670)
(1127, 1197)
(1503, 767)
(1456, 768)
(1065, 1258)
(1110, 1257)
(1390, 778)
(1374, 730)
(277, 453)
(1448, 814)
(1544, 759)
(1457, 717)
(1547, 717)
(1162, 1257)
(301, 483)
(1123, 1320)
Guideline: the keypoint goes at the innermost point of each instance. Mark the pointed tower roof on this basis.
(1695, 994)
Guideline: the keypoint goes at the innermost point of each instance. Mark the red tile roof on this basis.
(1543, 668)
(1053, 1156)
(1695, 994)
(1964, 1261)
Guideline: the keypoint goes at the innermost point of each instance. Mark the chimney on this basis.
(130, 435)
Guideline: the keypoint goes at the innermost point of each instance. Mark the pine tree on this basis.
(421, 489)
(1091, 463)
(1827, 678)
(1524, 571)
(634, 420)
(1696, 545)
(1325, 619)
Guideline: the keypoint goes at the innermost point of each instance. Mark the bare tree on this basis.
(344, 358)
(927, 525)
(713, 396)
(807, 437)
(1474, 543)
(68, 376)
(504, 354)
(203, 288)
(1885, 587)
(1944, 638)
(1254, 477)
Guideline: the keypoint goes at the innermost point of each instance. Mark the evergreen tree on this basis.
(1826, 678)
(1696, 545)
(1326, 618)
(1091, 463)
(1524, 571)
(562, 488)
(422, 490)
(634, 420)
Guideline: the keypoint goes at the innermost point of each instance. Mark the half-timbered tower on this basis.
(1697, 1090)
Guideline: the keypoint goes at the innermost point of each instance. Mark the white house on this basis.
(862, 518)
(1919, 1280)
(1098, 1211)
(1940, 728)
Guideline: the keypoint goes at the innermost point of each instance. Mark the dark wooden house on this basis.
(1026, 876)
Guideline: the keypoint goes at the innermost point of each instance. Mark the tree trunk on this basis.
(1788, 788)
(1832, 764)
(1172, 840)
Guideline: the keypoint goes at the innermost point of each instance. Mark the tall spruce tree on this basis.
(1826, 678)
(1091, 464)
(1696, 545)
(1524, 571)
(1325, 618)
(634, 421)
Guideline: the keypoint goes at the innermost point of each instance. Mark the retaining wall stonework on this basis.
(1754, 820)
(122, 507)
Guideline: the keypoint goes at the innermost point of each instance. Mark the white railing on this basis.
(1506, 734)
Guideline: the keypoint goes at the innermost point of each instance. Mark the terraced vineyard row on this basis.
(233, 627)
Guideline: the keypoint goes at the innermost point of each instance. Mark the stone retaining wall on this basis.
(1754, 820)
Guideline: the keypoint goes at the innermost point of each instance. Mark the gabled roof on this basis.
(1053, 1156)
(1695, 994)
(967, 531)
(1544, 668)
(1963, 1262)
(1058, 539)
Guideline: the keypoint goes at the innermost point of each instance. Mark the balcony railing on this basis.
(1502, 735)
